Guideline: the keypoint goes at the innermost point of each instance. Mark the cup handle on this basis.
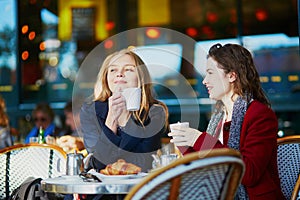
(86, 161)
(59, 165)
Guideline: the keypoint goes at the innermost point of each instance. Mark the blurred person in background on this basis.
(71, 119)
(5, 136)
(43, 116)
(71, 140)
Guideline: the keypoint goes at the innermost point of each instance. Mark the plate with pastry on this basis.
(119, 170)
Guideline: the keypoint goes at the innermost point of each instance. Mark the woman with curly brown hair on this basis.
(242, 120)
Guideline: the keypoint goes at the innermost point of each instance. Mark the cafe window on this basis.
(8, 47)
(83, 23)
(48, 65)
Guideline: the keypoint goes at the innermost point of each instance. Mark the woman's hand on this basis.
(184, 136)
(116, 105)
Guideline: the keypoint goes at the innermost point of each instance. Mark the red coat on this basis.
(258, 146)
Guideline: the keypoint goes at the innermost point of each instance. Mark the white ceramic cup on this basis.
(179, 125)
(133, 98)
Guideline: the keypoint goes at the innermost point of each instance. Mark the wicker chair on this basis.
(213, 174)
(21, 161)
(288, 158)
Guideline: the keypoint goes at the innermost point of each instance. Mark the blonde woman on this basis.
(110, 131)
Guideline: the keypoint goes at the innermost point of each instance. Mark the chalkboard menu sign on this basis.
(83, 20)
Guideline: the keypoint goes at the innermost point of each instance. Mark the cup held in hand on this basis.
(133, 98)
(179, 125)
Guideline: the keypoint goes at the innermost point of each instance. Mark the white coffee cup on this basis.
(133, 98)
(179, 125)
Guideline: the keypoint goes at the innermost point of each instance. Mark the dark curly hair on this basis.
(235, 58)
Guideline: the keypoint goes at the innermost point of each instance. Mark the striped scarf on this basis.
(239, 109)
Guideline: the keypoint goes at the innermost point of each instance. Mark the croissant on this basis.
(121, 167)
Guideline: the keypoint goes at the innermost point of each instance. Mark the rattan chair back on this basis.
(21, 161)
(288, 160)
(212, 174)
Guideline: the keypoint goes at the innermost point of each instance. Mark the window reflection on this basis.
(7, 43)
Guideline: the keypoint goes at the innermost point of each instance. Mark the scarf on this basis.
(239, 109)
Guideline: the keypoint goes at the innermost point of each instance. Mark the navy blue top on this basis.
(134, 143)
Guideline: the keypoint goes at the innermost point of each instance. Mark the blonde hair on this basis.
(102, 91)
(4, 121)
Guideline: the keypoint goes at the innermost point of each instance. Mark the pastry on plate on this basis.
(121, 167)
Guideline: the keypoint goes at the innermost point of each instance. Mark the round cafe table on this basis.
(75, 185)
